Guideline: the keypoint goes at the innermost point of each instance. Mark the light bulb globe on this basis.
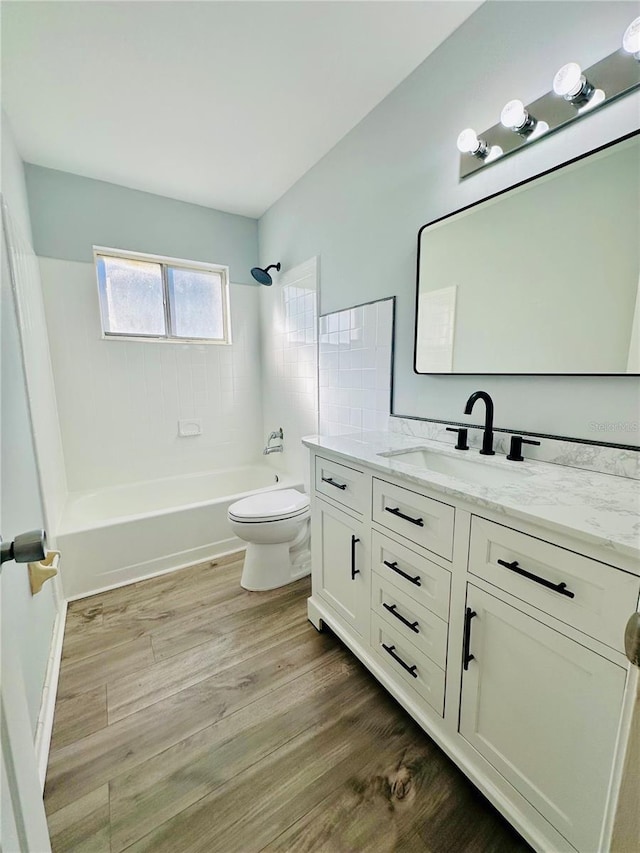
(631, 38)
(568, 80)
(468, 142)
(514, 115)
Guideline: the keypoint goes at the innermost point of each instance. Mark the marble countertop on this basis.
(601, 509)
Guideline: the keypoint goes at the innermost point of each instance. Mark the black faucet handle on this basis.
(462, 437)
(515, 451)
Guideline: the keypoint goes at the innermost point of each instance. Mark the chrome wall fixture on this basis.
(574, 93)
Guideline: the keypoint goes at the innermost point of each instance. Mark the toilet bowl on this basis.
(275, 526)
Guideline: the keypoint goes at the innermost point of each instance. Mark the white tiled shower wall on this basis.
(120, 401)
(355, 368)
(289, 364)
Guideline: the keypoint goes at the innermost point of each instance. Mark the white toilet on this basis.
(275, 526)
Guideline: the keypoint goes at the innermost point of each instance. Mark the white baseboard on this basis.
(44, 728)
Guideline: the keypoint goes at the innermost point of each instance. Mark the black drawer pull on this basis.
(466, 656)
(556, 587)
(412, 670)
(392, 609)
(354, 571)
(396, 511)
(394, 567)
(331, 482)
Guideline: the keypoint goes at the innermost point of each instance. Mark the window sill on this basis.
(143, 339)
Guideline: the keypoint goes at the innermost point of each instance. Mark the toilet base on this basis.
(270, 566)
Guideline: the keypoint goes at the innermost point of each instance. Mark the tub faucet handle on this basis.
(275, 436)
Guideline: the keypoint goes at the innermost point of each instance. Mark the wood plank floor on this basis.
(195, 716)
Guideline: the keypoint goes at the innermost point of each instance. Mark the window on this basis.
(143, 296)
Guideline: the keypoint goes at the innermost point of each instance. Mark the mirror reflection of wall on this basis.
(544, 278)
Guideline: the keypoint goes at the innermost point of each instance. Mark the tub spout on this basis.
(278, 448)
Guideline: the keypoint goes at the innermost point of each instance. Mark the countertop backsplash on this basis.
(590, 457)
(355, 355)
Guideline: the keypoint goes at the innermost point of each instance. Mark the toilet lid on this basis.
(270, 506)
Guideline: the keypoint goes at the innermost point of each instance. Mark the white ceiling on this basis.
(225, 104)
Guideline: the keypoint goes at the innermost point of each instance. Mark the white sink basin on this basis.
(469, 469)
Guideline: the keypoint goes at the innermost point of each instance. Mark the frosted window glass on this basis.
(131, 296)
(154, 298)
(196, 303)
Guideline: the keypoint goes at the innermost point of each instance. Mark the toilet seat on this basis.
(275, 505)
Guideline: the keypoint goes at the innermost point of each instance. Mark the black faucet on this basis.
(487, 439)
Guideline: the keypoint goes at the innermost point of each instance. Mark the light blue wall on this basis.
(70, 214)
(361, 206)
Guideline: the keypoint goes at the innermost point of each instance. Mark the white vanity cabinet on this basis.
(414, 517)
(341, 564)
(502, 638)
(587, 594)
(544, 710)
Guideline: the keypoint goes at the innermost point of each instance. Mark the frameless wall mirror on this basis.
(543, 278)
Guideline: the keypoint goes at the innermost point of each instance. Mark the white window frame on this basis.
(164, 262)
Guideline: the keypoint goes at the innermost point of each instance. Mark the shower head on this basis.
(262, 275)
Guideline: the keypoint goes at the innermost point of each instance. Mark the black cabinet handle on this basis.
(394, 567)
(412, 670)
(466, 656)
(392, 609)
(354, 571)
(556, 587)
(396, 511)
(331, 482)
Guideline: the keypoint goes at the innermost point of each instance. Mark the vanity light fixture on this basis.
(575, 93)
(469, 143)
(631, 39)
(516, 117)
(574, 87)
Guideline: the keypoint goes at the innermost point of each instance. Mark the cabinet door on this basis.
(544, 711)
(341, 571)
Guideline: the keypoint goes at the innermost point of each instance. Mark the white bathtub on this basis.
(126, 533)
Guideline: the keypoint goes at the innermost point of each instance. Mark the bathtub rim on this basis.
(286, 480)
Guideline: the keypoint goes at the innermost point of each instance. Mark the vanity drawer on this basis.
(415, 623)
(426, 583)
(592, 597)
(422, 520)
(406, 664)
(342, 484)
